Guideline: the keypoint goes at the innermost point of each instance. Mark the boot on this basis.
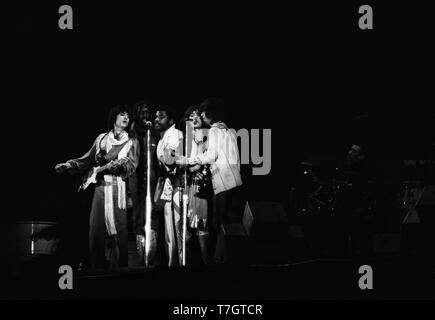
(153, 248)
(112, 252)
(204, 243)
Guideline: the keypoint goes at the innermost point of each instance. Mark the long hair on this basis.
(189, 110)
(137, 106)
(114, 111)
(135, 129)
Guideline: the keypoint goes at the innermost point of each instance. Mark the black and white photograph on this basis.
(218, 157)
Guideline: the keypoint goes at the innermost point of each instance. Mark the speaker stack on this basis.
(419, 232)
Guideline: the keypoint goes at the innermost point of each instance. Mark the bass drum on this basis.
(24, 240)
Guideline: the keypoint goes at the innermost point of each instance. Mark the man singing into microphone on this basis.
(169, 148)
(198, 190)
(222, 155)
(143, 118)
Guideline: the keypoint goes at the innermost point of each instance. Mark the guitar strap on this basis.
(109, 156)
(114, 151)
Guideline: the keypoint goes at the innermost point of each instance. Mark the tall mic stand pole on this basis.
(148, 203)
(185, 200)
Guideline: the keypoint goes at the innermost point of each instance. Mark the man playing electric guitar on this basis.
(114, 156)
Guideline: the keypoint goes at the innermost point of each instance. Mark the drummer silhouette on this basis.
(356, 200)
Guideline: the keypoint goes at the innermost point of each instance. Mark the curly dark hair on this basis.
(187, 113)
(170, 112)
(114, 111)
(214, 108)
(191, 109)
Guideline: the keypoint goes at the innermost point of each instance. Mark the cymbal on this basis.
(412, 183)
(306, 164)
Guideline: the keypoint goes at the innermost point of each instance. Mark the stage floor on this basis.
(394, 277)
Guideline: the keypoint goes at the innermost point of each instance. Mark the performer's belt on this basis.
(105, 183)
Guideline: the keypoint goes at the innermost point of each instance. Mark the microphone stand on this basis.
(148, 203)
(185, 200)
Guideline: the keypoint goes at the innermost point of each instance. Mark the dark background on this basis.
(306, 71)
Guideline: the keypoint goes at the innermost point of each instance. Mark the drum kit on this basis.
(329, 188)
(323, 188)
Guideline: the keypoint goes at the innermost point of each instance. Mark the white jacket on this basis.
(223, 156)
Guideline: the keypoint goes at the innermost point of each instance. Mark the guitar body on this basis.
(92, 176)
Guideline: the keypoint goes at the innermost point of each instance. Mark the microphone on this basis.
(149, 124)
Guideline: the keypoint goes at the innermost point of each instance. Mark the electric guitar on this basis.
(92, 176)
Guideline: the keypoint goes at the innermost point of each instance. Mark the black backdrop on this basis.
(306, 71)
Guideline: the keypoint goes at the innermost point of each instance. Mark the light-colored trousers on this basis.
(171, 247)
(173, 230)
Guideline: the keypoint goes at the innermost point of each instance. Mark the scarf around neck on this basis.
(109, 180)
